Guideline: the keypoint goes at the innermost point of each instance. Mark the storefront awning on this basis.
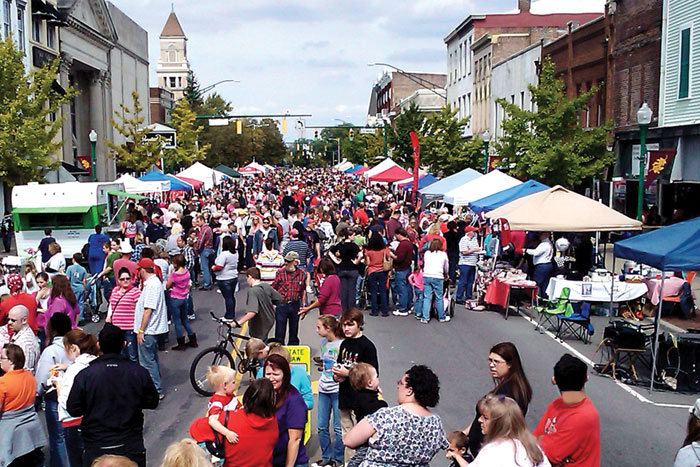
(53, 210)
(124, 194)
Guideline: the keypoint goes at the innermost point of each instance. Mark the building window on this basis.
(599, 117)
(20, 27)
(50, 36)
(6, 14)
(165, 82)
(179, 81)
(36, 29)
(172, 54)
(172, 81)
(469, 55)
(684, 75)
(522, 100)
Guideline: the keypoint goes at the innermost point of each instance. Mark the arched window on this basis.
(172, 54)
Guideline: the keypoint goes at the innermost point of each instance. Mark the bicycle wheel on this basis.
(200, 365)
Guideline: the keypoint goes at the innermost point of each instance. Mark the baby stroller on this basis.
(448, 302)
(90, 300)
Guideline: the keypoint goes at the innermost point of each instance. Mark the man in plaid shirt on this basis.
(289, 282)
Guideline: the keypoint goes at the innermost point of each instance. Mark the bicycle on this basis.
(219, 355)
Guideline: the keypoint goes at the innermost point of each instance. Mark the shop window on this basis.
(36, 29)
(50, 36)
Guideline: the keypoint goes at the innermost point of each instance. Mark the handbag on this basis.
(388, 262)
(216, 447)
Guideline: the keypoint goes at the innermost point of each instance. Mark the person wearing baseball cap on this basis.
(289, 282)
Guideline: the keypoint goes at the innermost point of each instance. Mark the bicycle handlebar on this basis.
(224, 320)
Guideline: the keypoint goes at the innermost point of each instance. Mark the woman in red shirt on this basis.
(256, 426)
(328, 301)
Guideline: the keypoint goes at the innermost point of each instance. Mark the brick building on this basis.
(161, 104)
(394, 87)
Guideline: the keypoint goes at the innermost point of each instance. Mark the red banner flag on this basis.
(494, 163)
(85, 163)
(416, 163)
(657, 162)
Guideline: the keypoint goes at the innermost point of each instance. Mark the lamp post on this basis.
(424, 83)
(644, 115)
(486, 137)
(93, 157)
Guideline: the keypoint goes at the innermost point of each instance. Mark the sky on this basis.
(311, 56)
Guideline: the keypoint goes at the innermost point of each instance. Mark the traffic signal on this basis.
(239, 127)
(315, 134)
(284, 125)
(352, 133)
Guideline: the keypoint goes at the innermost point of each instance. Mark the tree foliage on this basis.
(186, 151)
(443, 147)
(193, 92)
(411, 119)
(138, 153)
(28, 136)
(550, 144)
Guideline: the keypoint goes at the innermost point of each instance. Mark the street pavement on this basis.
(634, 431)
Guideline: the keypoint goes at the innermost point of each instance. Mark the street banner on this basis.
(494, 163)
(657, 161)
(85, 162)
(416, 163)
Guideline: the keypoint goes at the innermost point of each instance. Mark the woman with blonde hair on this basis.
(508, 441)
(185, 453)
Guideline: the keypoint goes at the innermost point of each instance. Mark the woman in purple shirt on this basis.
(179, 285)
(328, 301)
(291, 415)
(61, 300)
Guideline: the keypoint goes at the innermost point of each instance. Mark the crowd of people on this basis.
(303, 241)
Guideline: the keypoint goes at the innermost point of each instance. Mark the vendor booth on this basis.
(672, 248)
(252, 169)
(438, 189)
(176, 185)
(196, 184)
(228, 171)
(353, 169)
(491, 202)
(343, 166)
(134, 185)
(424, 181)
(201, 172)
(386, 164)
(394, 174)
(486, 185)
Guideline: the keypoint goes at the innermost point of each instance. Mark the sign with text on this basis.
(301, 356)
(169, 139)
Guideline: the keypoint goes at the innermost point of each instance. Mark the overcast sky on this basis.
(311, 56)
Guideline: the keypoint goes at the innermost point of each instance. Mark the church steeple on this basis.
(173, 68)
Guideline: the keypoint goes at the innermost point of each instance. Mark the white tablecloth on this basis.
(596, 291)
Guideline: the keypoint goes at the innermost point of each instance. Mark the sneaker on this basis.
(322, 463)
(191, 317)
(218, 290)
(445, 319)
(424, 321)
(373, 313)
(400, 313)
(418, 317)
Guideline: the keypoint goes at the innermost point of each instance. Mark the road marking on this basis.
(239, 376)
(590, 363)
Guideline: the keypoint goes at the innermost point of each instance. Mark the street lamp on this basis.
(486, 137)
(644, 115)
(93, 157)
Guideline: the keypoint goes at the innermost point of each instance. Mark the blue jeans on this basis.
(148, 358)
(74, 446)
(131, 350)
(466, 282)
(377, 287)
(348, 286)
(541, 276)
(432, 286)
(205, 266)
(107, 286)
(287, 312)
(403, 290)
(57, 439)
(418, 307)
(178, 312)
(327, 404)
(228, 291)
(453, 261)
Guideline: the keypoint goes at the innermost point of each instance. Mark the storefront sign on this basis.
(656, 162)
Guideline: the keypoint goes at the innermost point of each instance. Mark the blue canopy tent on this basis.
(423, 181)
(438, 189)
(506, 196)
(175, 183)
(672, 248)
(353, 169)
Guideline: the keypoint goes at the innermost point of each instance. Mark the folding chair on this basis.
(577, 324)
(551, 309)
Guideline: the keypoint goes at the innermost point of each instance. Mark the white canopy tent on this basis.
(486, 185)
(384, 165)
(201, 172)
(343, 166)
(134, 185)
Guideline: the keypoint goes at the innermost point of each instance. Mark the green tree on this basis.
(411, 119)
(550, 144)
(443, 147)
(186, 151)
(138, 153)
(193, 92)
(273, 149)
(28, 131)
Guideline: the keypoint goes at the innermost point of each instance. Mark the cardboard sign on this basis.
(301, 356)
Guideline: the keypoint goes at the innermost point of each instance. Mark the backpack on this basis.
(216, 447)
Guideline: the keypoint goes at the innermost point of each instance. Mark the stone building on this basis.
(173, 68)
(104, 55)
(394, 87)
(13, 20)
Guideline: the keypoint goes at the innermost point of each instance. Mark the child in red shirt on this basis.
(223, 380)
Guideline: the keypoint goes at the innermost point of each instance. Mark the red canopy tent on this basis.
(361, 171)
(196, 184)
(250, 169)
(394, 174)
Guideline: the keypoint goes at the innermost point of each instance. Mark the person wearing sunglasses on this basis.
(121, 311)
(508, 374)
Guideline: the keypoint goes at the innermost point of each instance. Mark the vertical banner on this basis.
(656, 163)
(494, 162)
(85, 162)
(416, 163)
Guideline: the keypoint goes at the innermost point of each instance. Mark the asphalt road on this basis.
(634, 431)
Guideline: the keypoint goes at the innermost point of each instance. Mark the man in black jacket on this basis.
(110, 395)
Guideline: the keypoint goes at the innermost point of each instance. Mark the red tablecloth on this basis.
(497, 292)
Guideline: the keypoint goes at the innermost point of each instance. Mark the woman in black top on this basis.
(507, 371)
(349, 253)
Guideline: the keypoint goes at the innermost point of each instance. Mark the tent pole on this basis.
(655, 348)
(612, 287)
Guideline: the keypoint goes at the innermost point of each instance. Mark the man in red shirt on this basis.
(360, 215)
(569, 431)
(17, 297)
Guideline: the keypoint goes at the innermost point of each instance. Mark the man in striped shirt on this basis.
(269, 261)
(468, 255)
